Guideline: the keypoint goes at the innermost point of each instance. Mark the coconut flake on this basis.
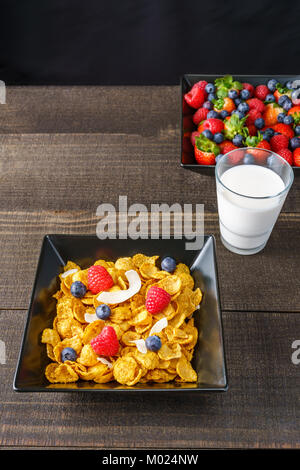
(70, 271)
(141, 345)
(105, 361)
(159, 326)
(90, 317)
(117, 297)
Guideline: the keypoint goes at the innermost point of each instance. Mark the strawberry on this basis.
(279, 142)
(193, 136)
(226, 146)
(249, 87)
(252, 115)
(106, 343)
(255, 103)
(200, 115)
(157, 299)
(284, 129)
(295, 112)
(270, 114)
(204, 158)
(252, 129)
(260, 154)
(195, 97)
(99, 279)
(287, 155)
(296, 156)
(202, 84)
(261, 91)
(224, 103)
(214, 125)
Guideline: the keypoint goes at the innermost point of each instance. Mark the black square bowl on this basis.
(187, 159)
(209, 357)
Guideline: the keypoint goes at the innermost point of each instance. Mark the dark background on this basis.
(146, 41)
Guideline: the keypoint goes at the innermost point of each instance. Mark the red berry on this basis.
(255, 103)
(249, 87)
(200, 115)
(253, 114)
(287, 155)
(296, 156)
(279, 142)
(99, 279)
(202, 84)
(195, 97)
(214, 125)
(284, 129)
(204, 158)
(157, 299)
(261, 91)
(106, 343)
(194, 135)
(252, 129)
(226, 146)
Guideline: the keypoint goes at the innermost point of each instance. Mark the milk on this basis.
(246, 223)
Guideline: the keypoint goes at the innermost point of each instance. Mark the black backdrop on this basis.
(144, 41)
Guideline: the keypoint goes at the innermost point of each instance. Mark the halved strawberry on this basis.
(204, 158)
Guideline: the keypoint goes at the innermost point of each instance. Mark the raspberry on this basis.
(200, 115)
(195, 98)
(261, 91)
(249, 87)
(106, 343)
(252, 116)
(99, 279)
(287, 155)
(255, 103)
(157, 299)
(202, 84)
(279, 142)
(213, 125)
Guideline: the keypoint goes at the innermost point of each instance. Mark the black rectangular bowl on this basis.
(209, 356)
(186, 83)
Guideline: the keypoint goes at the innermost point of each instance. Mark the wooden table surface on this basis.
(64, 151)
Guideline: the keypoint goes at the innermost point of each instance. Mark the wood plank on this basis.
(266, 281)
(261, 408)
(143, 110)
(70, 172)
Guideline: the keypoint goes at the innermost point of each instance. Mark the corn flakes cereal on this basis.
(77, 323)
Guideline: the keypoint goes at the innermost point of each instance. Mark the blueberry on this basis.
(289, 85)
(272, 84)
(68, 354)
(245, 94)
(287, 104)
(248, 159)
(211, 97)
(218, 157)
(223, 114)
(238, 140)
(259, 123)
(208, 134)
(218, 138)
(210, 88)
(282, 99)
(266, 136)
(168, 264)
(281, 117)
(295, 143)
(78, 289)
(153, 343)
(212, 114)
(103, 311)
(270, 98)
(233, 94)
(238, 113)
(237, 101)
(243, 107)
(270, 131)
(207, 105)
(288, 119)
(297, 130)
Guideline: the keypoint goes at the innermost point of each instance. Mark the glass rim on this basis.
(287, 187)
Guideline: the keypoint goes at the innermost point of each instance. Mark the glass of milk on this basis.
(252, 185)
